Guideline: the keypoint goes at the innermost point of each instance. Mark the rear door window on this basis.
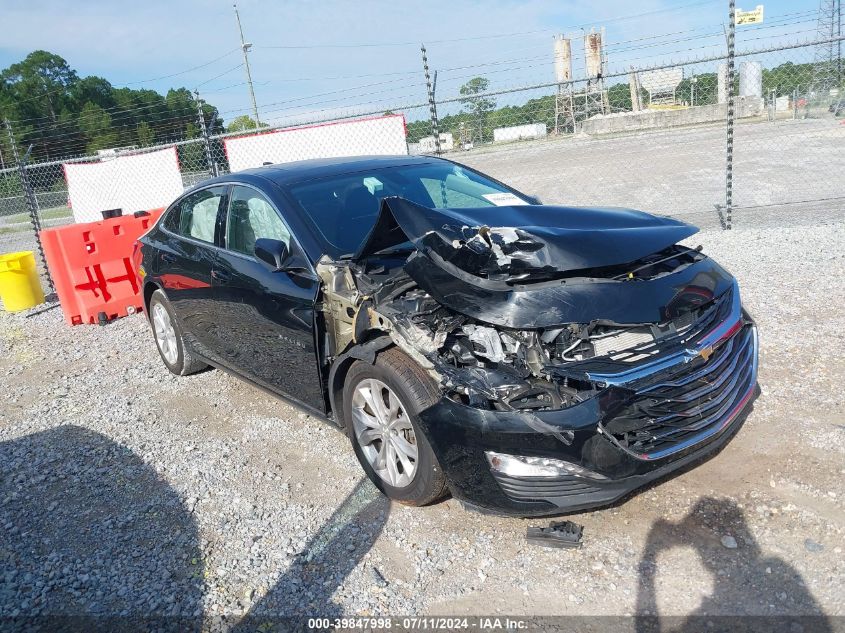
(196, 215)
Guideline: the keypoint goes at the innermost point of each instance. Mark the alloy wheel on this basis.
(384, 432)
(165, 333)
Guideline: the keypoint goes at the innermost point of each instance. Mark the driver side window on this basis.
(252, 217)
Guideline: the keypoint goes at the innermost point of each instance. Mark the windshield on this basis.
(343, 208)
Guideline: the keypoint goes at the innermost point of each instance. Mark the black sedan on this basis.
(526, 358)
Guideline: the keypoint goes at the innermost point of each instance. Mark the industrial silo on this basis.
(563, 60)
(593, 54)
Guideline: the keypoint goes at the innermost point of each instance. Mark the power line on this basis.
(392, 44)
(486, 37)
(344, 77)
(241, 83)
(180, 73)
(225, 72)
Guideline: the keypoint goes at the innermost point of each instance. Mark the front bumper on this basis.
(630, 435)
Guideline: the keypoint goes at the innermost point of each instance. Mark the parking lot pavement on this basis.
(128, 490)
(681, 171)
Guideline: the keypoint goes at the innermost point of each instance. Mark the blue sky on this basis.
(509, 42)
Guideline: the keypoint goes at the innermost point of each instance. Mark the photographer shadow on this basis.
(306, 588)
(93, 538)
(751, 593)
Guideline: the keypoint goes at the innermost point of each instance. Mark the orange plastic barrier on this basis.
(92, 269)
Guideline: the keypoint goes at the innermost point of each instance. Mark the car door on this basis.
(184, 263)
(267, 316)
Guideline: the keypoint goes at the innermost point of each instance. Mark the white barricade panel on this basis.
(132, 183)
(383, 135)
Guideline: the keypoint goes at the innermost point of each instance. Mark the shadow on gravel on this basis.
(750, 593)
(89, 528)
(331, 555)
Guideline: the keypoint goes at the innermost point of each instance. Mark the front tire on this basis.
(169, 340)
(380, 404)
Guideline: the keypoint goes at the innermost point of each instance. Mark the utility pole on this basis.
(245, 46)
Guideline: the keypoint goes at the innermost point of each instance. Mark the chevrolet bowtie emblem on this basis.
(706, 353)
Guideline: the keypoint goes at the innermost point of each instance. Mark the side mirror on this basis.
(271, 252)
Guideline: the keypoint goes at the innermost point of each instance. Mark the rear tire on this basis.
(169, 340)
(380, 405)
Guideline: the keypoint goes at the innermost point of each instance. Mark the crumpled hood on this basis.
(501, 242)
(497, 275)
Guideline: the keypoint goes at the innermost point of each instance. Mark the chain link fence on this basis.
(652, 138)
(612, 141)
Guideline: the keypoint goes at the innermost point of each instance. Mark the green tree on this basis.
(212, 119)
(243, 123)
(417, 130)
(94, 89)
(49, 105)
(10, 184)
(478, 107)
(96, 125)
(145, 134)
(40, 83)
(192, 155)
(706, 90)
(619, 97)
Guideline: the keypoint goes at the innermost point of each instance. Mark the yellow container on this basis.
(19, 285)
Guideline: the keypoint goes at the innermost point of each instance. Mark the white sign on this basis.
(662, 80)
(139, 182)
(382, 135)
(749, 17)
(504, 199)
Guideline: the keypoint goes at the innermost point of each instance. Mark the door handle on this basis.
(218, 274)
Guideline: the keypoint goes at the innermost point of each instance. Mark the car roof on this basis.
(285, 174)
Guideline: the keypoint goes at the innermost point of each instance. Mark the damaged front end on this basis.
(580, 353)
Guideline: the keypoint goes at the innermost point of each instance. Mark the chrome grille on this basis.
(689, 329)
(688, 407)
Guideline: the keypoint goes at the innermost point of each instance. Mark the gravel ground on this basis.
(126, 490)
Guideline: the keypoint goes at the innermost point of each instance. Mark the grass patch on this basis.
(8, 230)
(46, 214)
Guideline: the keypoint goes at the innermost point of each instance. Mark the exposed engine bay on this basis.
(398, 285)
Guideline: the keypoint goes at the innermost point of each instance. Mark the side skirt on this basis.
(305, 408)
